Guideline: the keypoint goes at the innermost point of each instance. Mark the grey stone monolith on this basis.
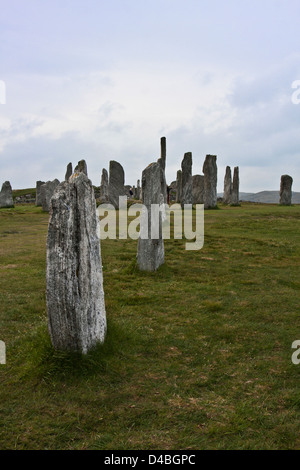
(81, 167)
(6, 197)
(286, 190)
(186, 179)
(69, 171)
(104, 187)
(198, 189)
(38, 196)
(227, 186)
(235, 195)
(116, 183)
(178, 185)
(138, 190)
(163, 151)
(150, 253)
(75, 297)
(47, 190)
(210, 181)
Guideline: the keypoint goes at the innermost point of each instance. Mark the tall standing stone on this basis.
(150, 253)
(75, 297)
(227, 186)
(235, 196)
(47, 191)
(138, 189)
(286, 190)
(210, 181)
(178, 186)
(81, 167)
(38, 197)
(6, 197)
(187, 181)
(163, 151)
(104, 187)
(198, 189)
(69, 171)
(116, 183)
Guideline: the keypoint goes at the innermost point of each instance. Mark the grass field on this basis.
(197, 356)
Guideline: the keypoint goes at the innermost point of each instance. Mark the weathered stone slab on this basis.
(46, 193)
(138, 190)
(187, 181)
(6, 197)
(227, 186)
(150, 253)
(38, 196)
(104, 187)
(116, 183)
(286, 190)
(210, 181)
(69, 171)
(75, 297)
(235, 196)
(198, 189)
(178, 186)
(81, 167)
(163, 151)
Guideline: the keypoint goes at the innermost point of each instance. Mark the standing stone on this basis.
(116, 183)
(81, 167)
(75, 297)
(178, 185)
(38, 196)
(138, 190)
(150, 253)
(286, 190)
(104, 187)
(227, 186)
(47, 190)
(173, 191)
(187, 181)
(210, 181)
(235, 196)
(6, 197)
(69, 171)
(198, 189)
(163, 151)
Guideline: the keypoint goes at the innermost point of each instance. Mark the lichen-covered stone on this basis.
(150, 254)
(46, 192)
(178, 186)
(81, 167)
(186, 180)
(286, 190)
(210, 181)
(69, 171)
(227, 186)
(198, 189)
(104, 187)
(235, 195)
(6, 197)
(38, 196)
(116, 183)
(75, 297)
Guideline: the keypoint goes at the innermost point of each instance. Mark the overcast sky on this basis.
(105, 79)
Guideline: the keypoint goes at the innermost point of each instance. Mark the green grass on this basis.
(197, 356)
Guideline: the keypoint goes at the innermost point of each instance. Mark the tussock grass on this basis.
(197, 356)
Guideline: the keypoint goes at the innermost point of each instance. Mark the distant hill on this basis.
(266, 197)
